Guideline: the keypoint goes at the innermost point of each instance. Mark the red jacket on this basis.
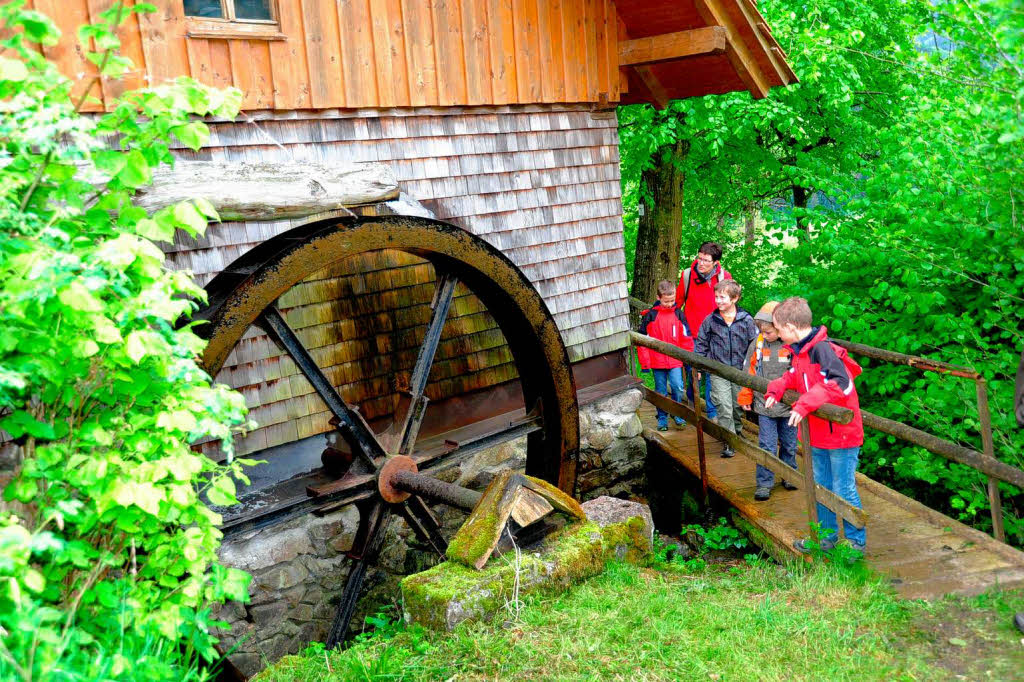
(698, 300)
(823, 373)
(668, 325)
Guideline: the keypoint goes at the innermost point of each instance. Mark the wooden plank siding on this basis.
(538, 182)
(371, 53)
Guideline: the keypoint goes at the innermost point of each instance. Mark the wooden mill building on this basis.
(496, 118)
(494, 115)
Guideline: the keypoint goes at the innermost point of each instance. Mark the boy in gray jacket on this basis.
(724, 336)
(768, 358)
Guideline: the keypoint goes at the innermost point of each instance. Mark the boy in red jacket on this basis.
(822, 373)
(664, 321)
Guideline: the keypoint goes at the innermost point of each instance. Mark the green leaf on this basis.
(77, 297)
(189, 218)
(136, 171)
(12, 69)
(193, 134)
(155, 230)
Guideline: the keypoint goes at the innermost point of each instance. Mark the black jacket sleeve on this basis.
(831, 367)
(646, 320)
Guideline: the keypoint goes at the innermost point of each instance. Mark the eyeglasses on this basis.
(705, 259)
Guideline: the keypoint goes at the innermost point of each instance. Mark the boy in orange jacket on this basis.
(665, 322)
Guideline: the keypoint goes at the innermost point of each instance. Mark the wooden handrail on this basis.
(832, 413)
(988, 465)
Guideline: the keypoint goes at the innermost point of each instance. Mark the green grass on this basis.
(757, 621)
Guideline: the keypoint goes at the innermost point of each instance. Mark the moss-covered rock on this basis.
(450, 593)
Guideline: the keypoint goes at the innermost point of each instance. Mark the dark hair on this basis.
(666, 287)
(712, 249)
(795, 311)
(731, 287)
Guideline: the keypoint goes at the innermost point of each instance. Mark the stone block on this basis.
(335, 531)
(631, 428)
(282, 576)
(247, 663)
(627, 402)
(268, 614)
(599, 437)
(266, 549)
(614, 516)
(450, 593)
(503, 456)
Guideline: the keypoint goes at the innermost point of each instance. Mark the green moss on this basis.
(451, 592)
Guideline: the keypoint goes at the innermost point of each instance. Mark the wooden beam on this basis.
(671, 46)
(657, 91)
(269, 191)
(740, 56)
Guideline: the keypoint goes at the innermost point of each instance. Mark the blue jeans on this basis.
(663, 380)
(835, 470)
(712, 411)
(775, 435)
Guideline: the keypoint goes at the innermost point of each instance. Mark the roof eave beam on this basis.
(668, 47)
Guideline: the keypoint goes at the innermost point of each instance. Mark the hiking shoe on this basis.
(788, 486)
(1018, 620)
(804, 545)
(762, 493)
(728, 452)
(680, 421)
(663, 427)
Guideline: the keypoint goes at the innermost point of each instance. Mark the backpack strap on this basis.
(686, 284)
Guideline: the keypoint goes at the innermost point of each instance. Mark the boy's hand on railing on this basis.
(746, 408)
(794, 417)
(769, 401)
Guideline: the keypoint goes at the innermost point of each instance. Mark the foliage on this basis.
(888, 179)
(107, 552)
(721, 536)
(783, 622)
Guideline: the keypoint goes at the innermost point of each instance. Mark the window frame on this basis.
(231, 27)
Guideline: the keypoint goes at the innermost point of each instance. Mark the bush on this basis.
(108, 558)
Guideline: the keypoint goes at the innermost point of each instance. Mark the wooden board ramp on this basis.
(924, 553)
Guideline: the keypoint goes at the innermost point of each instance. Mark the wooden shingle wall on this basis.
(371, 53)
(540, 183)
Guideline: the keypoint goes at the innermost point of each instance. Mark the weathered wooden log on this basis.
(269, 191)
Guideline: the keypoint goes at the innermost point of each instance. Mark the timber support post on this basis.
(994, 499)
(810, 492)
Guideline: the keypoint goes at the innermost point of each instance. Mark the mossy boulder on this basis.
(451, 593)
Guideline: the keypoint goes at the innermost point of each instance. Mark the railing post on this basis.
(701, 456)
(810, 492)
(994, 499)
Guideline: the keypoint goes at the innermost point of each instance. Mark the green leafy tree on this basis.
(891, 178)
(107, 551)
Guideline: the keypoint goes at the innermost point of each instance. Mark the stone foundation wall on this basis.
(299, 567)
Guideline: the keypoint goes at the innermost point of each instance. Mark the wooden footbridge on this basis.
(923, 552)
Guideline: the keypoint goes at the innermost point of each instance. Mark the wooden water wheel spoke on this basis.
(412, 405)
(350, 423)
(374, 530)
(419, 517)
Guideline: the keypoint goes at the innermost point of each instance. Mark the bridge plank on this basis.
(925, 554)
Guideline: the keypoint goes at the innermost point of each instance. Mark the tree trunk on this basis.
(661, 219)
(750, 225)
(801, 196)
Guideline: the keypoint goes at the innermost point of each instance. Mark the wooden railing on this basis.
(985, 463)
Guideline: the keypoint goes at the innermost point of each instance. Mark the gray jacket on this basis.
(771, 363)
(724, 342)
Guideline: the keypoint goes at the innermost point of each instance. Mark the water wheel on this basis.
(246, 294)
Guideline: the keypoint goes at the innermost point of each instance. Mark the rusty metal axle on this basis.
(435, 489)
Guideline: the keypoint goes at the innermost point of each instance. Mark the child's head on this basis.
(727, 293)
(666, 293)
(764, 323)
(708, 254)
(793, 319)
